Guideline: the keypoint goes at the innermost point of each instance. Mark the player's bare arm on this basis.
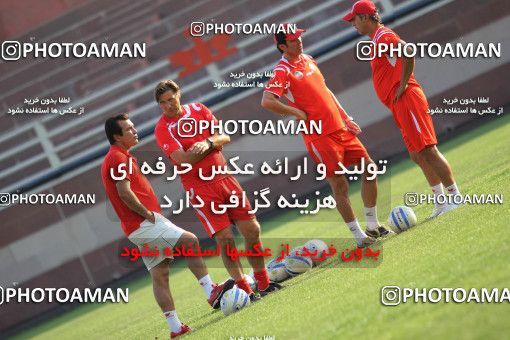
(407, 70)
(129, 198)
(209, 144)
(348, 120)
(199, 150)
(272, 103)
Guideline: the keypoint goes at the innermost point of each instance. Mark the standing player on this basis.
(297, 78)
(137, 207)
(203, 151)
(397, 88)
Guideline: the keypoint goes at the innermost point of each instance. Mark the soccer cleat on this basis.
(273, 287)
(184, 329)
(365, 242)
(254, 297)
(380, 231)
(438, 210)
(218, 291)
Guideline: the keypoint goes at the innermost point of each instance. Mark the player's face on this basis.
(170, 103)
(129, 136)
(293, 48)
(359, 23)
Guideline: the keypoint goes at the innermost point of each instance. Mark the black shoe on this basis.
(254, 297)
(218, 292)
(379, 232)
(273, 287)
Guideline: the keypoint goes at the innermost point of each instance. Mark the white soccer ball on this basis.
(318, 245)
(295, 264)
(276, 271)
(233, 300)
(402, 218)
(250, 278)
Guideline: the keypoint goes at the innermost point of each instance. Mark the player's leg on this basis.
(433, 180)
(419, 135)
(428, 171)
(160, 274)
(435, 161)
(250, 229)
(340, 188)
(438, 163)
(165, 234)
(329, 150)
(225, 238)
(195, 263)
(369, 196)
(354, 154)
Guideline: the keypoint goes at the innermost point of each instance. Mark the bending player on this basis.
(137, 207)
(298, 78)
(397, 88)
(202, 150)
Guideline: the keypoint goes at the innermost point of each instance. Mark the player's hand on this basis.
(151, 217)
(400, 91)
(353, 127)
(301, 114)
(199, 148)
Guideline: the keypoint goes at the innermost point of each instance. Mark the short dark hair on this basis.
(164, 86)
(280, 39)
(112, 127)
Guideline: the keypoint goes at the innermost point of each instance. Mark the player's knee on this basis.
(415, 157)
(188, 239)
(225, 237)
(160, 273)
(429, 153)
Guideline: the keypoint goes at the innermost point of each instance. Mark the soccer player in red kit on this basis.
(202, 150)
(138, 209)
(297, 78)
(397, 88)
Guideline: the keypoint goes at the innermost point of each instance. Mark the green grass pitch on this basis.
(464, 248)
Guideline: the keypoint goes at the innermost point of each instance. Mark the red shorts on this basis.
(339, 146)
(415, 124)
(220, 192)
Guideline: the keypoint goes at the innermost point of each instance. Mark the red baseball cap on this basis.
(281, 37)
(361, 7)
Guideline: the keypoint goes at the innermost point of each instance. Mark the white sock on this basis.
(207, 285)
(437, 190)
(453, 190)
(371, 218)
(356, 230)
(174, 324)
